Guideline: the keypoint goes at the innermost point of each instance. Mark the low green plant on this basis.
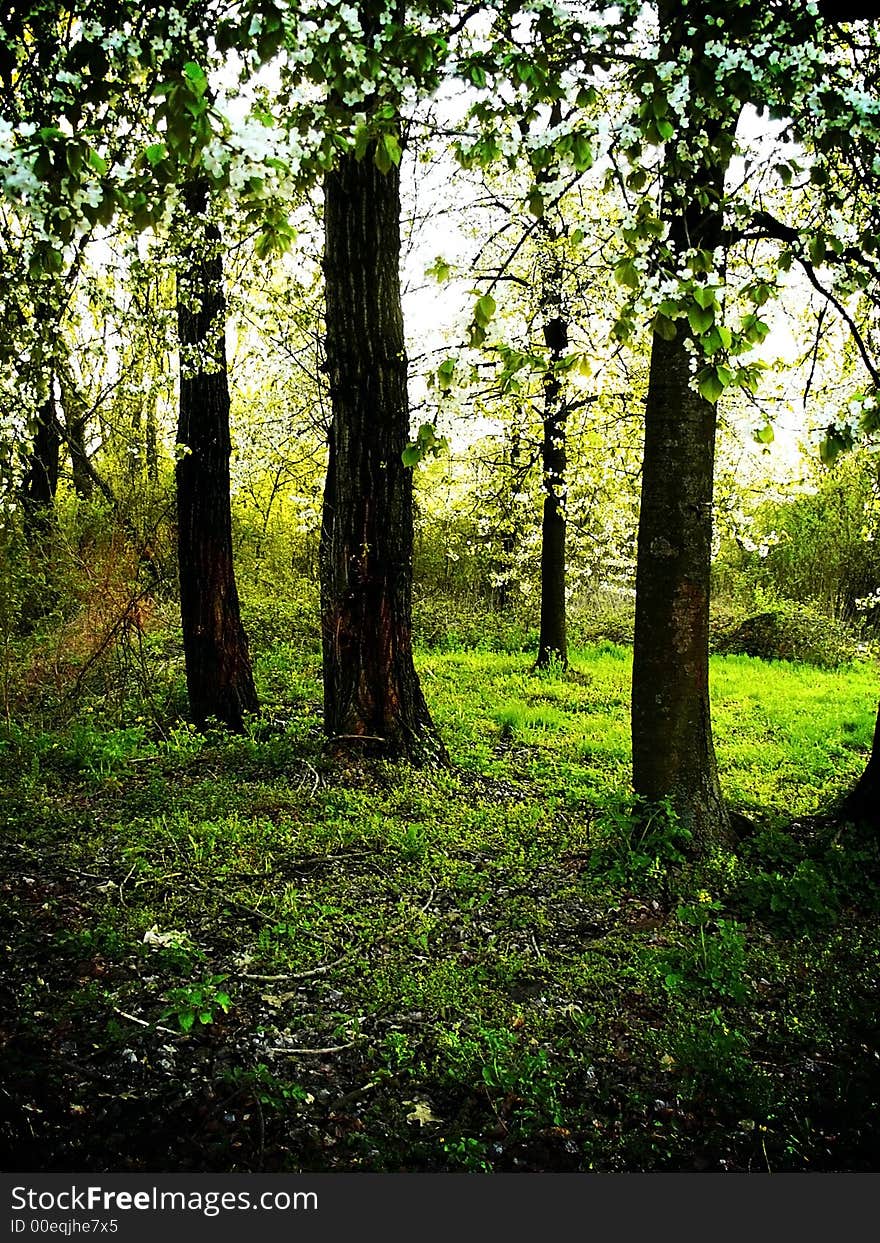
(712, 959)
(798, 901)
(266, 1088)
(197, 1003)
(639, 841)
(467, 1152)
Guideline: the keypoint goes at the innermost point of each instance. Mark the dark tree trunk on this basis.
(863, 801)
(553, 640)
(40, 481)
(218, 670)
(83, 483)
(673, 751)
(553, 643)
(152, 446)
(371, 689)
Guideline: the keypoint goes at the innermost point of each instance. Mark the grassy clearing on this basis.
(223, 953)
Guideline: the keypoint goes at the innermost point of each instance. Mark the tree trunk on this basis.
(553, 640)
(553, 643)
(83, 484)
(218, 670)
(863, 801)
(41, 477)
(673, 751)
(371, 689)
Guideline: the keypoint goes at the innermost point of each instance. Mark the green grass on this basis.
(506, 972)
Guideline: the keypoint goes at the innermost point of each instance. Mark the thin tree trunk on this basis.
(40, 481)
(218, 669)
(673, 750)
(553, 642)
(83, 484)
(76, 421)
(152, 445)
(371, 689)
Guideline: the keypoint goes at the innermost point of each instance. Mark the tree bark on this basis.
(371, 689)
(40, 481)
(673, 750)
(553, 641)
(218, 670)
(863, 801)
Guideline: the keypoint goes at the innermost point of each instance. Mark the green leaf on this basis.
(439, 270)
(156, 152)
(387, 153)
(627, 274)
(817, 249)
(535, 202)
(426, 441)
(73, 156)
(754, 329)
(700, 320)
(186, 1019)
(445, 373)
(665, 129)
(836, 442)
(664, 327)
(476, 335)
(704, 295)
(709, 385)
(764, 435)
(484, 309)
(107, 207)
(702, 261)
(195, 75)
(206, 1017)
(97, 162)
(583, 153)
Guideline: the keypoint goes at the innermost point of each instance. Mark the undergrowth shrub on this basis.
(291, 617)
(449, 624)
(792, 632)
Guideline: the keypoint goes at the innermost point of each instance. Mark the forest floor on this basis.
(227, 953)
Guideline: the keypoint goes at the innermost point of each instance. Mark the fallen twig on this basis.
(337, 1048)
(296, 975)
(132, 1018)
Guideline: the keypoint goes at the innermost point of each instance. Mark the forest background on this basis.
(375, 378)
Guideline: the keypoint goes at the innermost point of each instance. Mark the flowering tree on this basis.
(711, 61)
